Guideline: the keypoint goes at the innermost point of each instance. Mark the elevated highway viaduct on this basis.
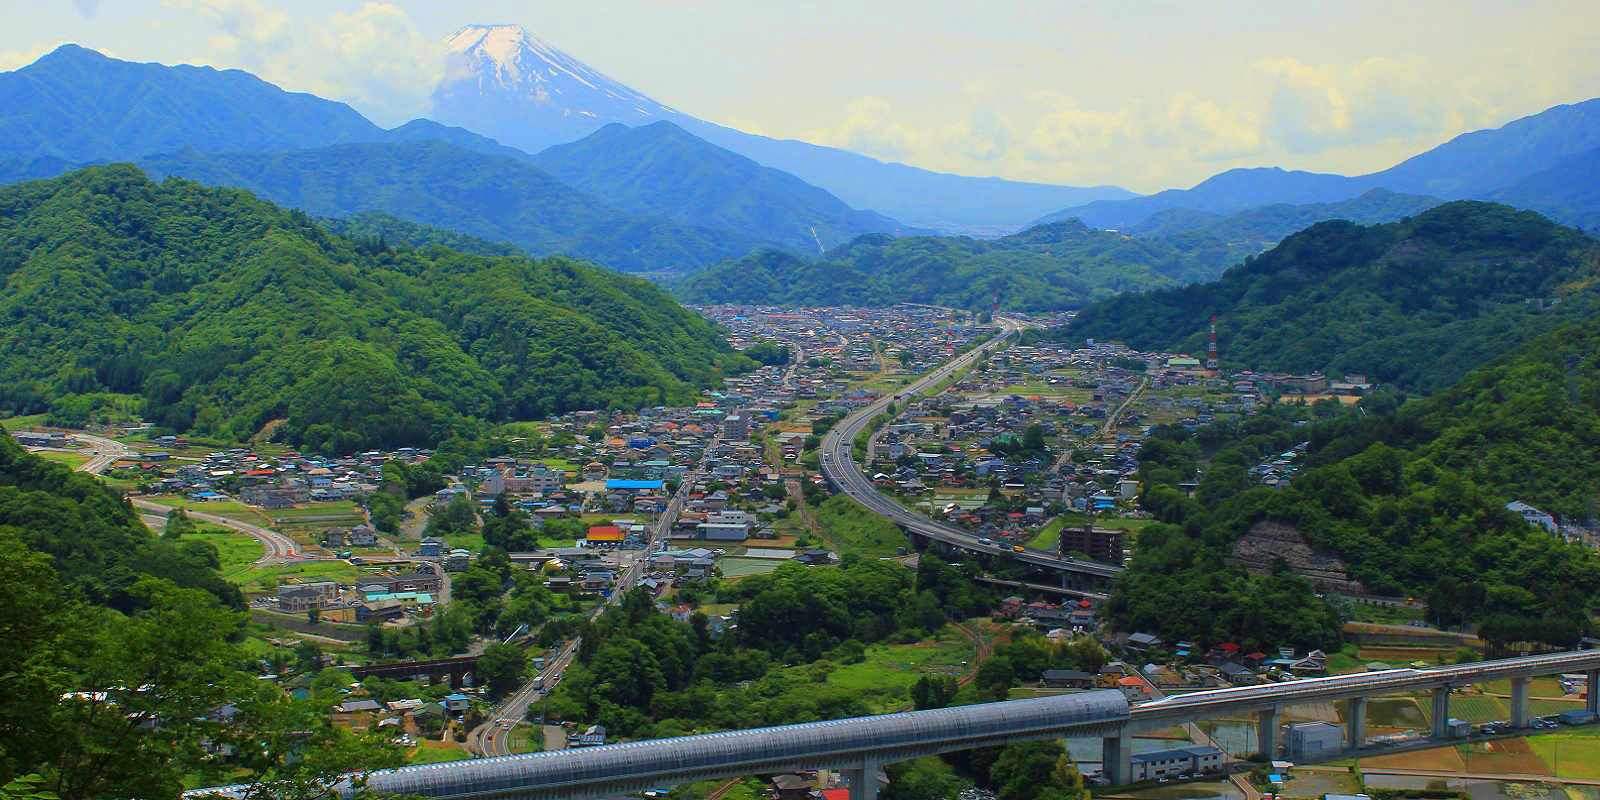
(858, 747)
(839, 467)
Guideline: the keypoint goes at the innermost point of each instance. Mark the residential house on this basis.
(1066, 679)
(1158, 764)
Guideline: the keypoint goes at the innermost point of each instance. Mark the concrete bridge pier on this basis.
(1356, 723)
(1441, 712)
(863, 779)
(1116, 757)
(1519, 702)
(1269, 731)
(1591, 695)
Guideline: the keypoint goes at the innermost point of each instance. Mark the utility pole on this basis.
(1211, 352)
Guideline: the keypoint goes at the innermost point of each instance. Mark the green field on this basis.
(851, 528)
(888, 671)
(73, 460)
(734, 567)
(1574, 754)
(340, 571)
(1475, 709)
(896, 667)
(236, 551)
(20, 423)
(1049, 536)
(223, 508)
(431, 752)
(317, 518)
(1383, 614)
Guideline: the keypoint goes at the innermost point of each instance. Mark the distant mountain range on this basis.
(1267, 225)
(675, 194)
(435, 183)
(1060, 265)
(659, 199)
(505, 82)
(1482, 164)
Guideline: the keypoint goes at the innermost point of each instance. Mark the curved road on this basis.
(840, 468)
(277, 547)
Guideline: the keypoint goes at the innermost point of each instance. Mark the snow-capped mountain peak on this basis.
(496, 64)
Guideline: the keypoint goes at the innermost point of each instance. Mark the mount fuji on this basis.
(502, 81)
(525, 93)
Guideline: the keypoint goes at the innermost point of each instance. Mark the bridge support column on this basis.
(1441, 712)
(863, 780)
(1268, 731)
(1356, 723)
(1591, 692)
(1116, 758)
(1519, 702)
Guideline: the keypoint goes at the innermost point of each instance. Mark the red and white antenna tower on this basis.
(1211, 351)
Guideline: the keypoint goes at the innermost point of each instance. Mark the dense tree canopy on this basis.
(212, 311)
(1404, 523)
(1418, 303)
(641, 673)
(93, 536)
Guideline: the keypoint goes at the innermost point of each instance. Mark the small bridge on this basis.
(455, 670)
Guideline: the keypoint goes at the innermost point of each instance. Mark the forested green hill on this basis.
(94, 538)
(1049, 267)
(218, 312)
(662, 170)
(1414, 505)
(1417, 303)
(1268, 225)
(1523, 424)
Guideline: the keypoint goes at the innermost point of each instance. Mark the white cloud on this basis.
(374, 58)
(12, 59)
(867, 128)
(1315, 107)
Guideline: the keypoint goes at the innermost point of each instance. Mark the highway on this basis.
(276, 547)
(840, 468)
(490, 738)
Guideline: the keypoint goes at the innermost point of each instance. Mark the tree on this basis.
(313, 615)
(1033, 440)
(926, 778)
(501, 668)
(995, 678)
(1036, 771)
(933, 691)
(1086, 653)
(308, 657)
(178, 525)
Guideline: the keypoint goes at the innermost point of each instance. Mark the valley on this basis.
(394, 404)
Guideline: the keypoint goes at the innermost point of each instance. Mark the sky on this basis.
(1145, 95)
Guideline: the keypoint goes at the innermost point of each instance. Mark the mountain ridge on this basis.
(531, 115)
(1047, 267)
(437, 183)
(1472, 165)
(662, 170)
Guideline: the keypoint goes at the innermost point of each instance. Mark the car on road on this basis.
(1017, 548)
